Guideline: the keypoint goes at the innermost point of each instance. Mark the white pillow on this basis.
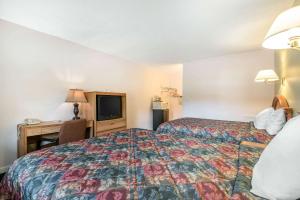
(261, 119)
(277, 172)
(276, 121)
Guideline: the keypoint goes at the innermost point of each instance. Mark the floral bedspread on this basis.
(229, 131)
(134, 164)
(248, 157)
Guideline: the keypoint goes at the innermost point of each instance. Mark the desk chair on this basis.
(70, 131)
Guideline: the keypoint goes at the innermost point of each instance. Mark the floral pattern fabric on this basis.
(133, 164)
(248, 157)
(229, 131)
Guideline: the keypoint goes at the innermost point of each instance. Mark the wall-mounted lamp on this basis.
(171, 92)
(285, 30)
(267, 76)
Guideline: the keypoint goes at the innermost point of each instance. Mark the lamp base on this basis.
(76, 111)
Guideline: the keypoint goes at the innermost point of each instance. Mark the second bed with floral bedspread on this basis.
(134, 164)
(226, 131)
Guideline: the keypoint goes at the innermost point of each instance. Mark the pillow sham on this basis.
(261, 119)
(276, 175)
(276, 121)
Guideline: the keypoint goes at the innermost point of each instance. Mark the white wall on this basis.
(36, 71)
(224, 87)
(172, 78)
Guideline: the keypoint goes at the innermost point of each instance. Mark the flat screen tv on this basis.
(108, 107)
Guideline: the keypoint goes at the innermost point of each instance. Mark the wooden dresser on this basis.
(107, 126)
(31, 132)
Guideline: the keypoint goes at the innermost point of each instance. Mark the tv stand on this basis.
(107, 126)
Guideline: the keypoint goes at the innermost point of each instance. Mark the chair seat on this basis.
(48, 141)
(44, 143)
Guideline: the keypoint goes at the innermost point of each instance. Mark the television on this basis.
(108, 107)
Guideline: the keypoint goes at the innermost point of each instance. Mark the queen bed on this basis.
(136, 164)
(229, 131)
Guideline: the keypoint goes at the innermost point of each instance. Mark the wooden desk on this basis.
(44, 128)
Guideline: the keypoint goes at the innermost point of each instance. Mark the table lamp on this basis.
(76, 96)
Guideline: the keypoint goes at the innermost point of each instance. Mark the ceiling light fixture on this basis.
(285, 30)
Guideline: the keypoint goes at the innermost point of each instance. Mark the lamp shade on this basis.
(267, 75)
(285, 30)
(76, 96)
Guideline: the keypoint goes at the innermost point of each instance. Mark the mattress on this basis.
(134, 164)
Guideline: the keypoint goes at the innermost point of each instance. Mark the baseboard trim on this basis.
(4, 169)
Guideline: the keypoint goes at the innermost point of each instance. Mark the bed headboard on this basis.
(281, 102)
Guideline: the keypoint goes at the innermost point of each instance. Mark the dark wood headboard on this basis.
(281, 102)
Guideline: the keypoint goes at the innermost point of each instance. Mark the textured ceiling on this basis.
(151, 31)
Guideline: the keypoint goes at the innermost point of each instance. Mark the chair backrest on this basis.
(72, 131)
